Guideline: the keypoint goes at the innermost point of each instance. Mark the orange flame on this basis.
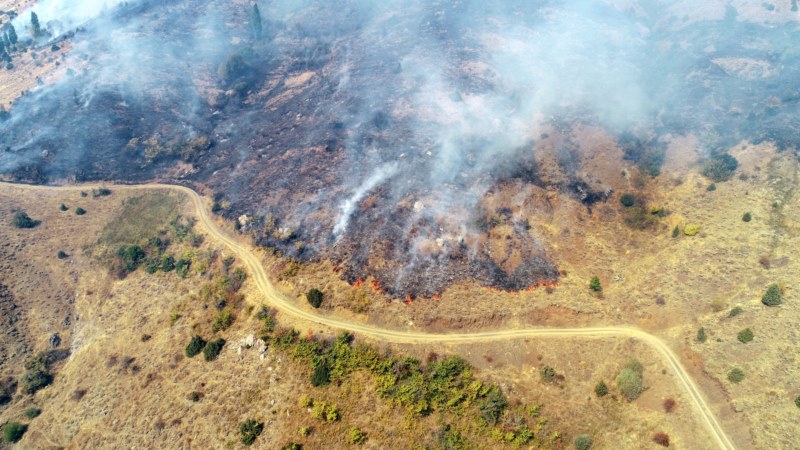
(409, 300)
(437, 297)
(376, 286)
(359, 282)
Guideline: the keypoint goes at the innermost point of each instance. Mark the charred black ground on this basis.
(286, 128)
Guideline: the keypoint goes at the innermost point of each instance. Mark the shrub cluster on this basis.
(37, 375)
(250, 430)
(213, 349)
(22, 220)
(630, 380)
(773, 296)
(13, 432)
(195, 346)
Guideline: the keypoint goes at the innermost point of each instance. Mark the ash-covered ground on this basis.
(376, 136)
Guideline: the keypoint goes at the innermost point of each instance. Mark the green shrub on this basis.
(493, 405)
(583, 442)
(222, 321)
(747, 217)
(321, 374)
(357, 436)
(80, 211)
(735, 375)
(676, 231)
(735, 311)
(630, 380)
(701, 335)
(167, 263)
(314, 297)
(600, 389)
(195, 346)
(63, 207)
(548, 374)
(326, 412)
(797, 401)
(720, 167)
(37, 375)
(22, 220)
(61, 254)
(14, 431)
(691, 229)
(711, 187)
(182, 267)
(32, 413)
(594, 284)
(773, 296)
(212, 349)
(627, 200)
(250, 430)
(745, 336)
(292, 446)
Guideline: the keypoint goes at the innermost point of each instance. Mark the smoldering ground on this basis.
(403, 120)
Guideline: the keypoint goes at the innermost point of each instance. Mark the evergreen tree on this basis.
(35, 27)
(255, 23)
(11, 34)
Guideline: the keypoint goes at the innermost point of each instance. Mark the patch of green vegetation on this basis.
(63, 207)
(720, 167)
(747, 217)
(735, 311)
(292, 446)
(357, 437)
(638, 217)
(630, 380)
(691, 229)
(79, 211)
(32, 413)
(701, 335)
(128, 259)
(676, 231)
(594, 284)
(627, 200)
(37, 375)
(745, 336)
(773, 296)
(23, 220)
(321, 374)
(13, 432)
(547, 374)
(61, 254)
(101, 192)
(213, 349)
(250, 430)
(797, 401)
(711, 187)
(195, 346)
(600, 389)
(325, 411)
(736, 375)
(182, 267)
(138, 219)
(314, 297)
(583, 442)
(222, 321)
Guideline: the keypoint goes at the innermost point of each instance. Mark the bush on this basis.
(669, 404)
(548, 374)
(661, 439)
(630, 380)
(37, 376)
(321, 374)
(167, 263)
(32, 413)
(691, 229)
(745, 336)
(326, 412)
(676, 231)
(736, 375)
(627, 200)
(583, 442)
(14, 431)
(492, 406)
(797, 401)
(357, 436)
(773, 296)
(314, 297)
(250, 430)
(735, 311)
(594, 284)
(195, 346)
(720, 167)
(182, 267)
(600, 389)
(292, 446)
(747, 217)
(212, 349)
(222, 321)
(61, 254)
(63, 207)
(711, 187)
(80, 211)
(22, 220)
(701, 335)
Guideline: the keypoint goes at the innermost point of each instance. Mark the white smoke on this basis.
(62, 16)
(348, 206)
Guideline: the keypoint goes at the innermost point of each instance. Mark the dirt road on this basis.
(289, 306)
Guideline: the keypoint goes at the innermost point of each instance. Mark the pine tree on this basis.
(35, 27)
(11, 34)
(255, 23)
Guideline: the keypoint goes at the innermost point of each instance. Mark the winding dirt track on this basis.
(288, 306)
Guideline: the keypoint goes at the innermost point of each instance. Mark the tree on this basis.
(314, 297)
(701, 335)
(11, 33)
(250, 430)
(773, 296)
(63, 207)
(630, 380)
(627, 200)
(212, 349)
(321, 375)
(594, 284)
(747, 217)
(36, 29)
(600, 389)
(583, 442)
(80, 211)
(736, 375)
(14, 431)
(22, 220)
(195, 346)
(256, 23)
(745, 336)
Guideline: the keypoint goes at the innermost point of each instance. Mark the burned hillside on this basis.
(388, 141)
